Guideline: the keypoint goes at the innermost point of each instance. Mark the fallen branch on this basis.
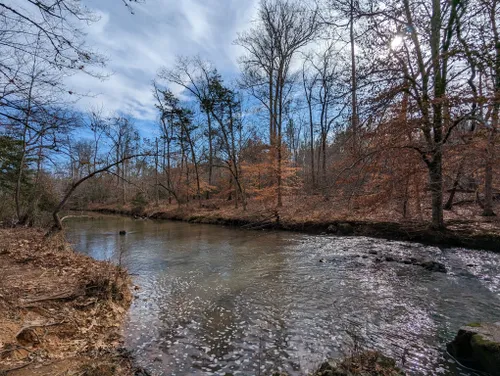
(40, 326)
(262, 223)
(6, 371)
(60, 296)
(17, 347)
(75, 216)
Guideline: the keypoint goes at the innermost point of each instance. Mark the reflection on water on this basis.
(217, 300)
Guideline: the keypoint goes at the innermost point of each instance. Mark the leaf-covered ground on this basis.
(60, 312)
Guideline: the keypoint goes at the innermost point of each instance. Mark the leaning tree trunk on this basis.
(55, 214)
(449, 203)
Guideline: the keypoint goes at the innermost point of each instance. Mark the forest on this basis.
(381, 110)
(374, 118)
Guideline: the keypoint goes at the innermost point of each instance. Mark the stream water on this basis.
(216, 300)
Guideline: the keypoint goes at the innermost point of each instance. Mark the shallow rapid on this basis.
(216, 300)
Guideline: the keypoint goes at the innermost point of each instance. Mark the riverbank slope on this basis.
(60, 311)
(475, 234)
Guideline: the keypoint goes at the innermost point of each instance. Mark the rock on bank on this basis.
(477, 346)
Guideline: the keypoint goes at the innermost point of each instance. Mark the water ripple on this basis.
(215, 300)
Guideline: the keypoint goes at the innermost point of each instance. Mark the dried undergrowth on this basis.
(314, 209)
(60, 312)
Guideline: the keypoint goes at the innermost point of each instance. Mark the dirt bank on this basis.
(459, 233)
(60, 312)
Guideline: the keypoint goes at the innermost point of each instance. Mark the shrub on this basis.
(139, 204)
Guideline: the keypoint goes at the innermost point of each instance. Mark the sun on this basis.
(396, 42)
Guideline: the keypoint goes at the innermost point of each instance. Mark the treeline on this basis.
(381, 108)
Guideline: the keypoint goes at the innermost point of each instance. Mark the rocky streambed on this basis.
(217, 300)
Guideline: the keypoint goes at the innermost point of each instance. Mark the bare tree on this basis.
(419, 62)
(283, 28)
(194, 76)
(32, 112)
(55, 27)
(327, 94)
(226, 110)
(480, 40)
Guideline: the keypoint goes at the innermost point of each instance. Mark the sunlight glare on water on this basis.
(217, 300)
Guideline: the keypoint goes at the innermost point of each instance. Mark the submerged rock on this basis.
(332, 229)
(477, 346)
(433, 266)
(345, 228)
(365, 363)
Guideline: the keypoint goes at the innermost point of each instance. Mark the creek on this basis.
(217, 300)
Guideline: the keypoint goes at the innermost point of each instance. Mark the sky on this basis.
(138, 44)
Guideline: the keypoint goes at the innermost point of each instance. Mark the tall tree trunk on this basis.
(33, 205)
(488, 175)
(436, 187)
(124, 175)
(169, 176)
(354, 105)
(210, 153)
(26, 124)
(272, 134)
(280, 141)
(490, 153)
(195, 163)
(418, 201)
(439, 66)
(311, 136)
(19, 180)
(157, 181)
(323, 166)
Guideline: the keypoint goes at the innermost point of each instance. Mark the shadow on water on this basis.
(217, 300)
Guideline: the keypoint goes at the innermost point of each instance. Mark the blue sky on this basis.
(138, 44)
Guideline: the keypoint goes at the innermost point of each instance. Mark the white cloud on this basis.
(198, 16)
(138, 45)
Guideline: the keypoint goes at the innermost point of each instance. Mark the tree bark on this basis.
(488, 175)
(436, 187)
(157, 193)
(354, 105)
(449, 203)
(210, 153)
(490, 154)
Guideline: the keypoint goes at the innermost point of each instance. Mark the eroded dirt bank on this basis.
(60, 312)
